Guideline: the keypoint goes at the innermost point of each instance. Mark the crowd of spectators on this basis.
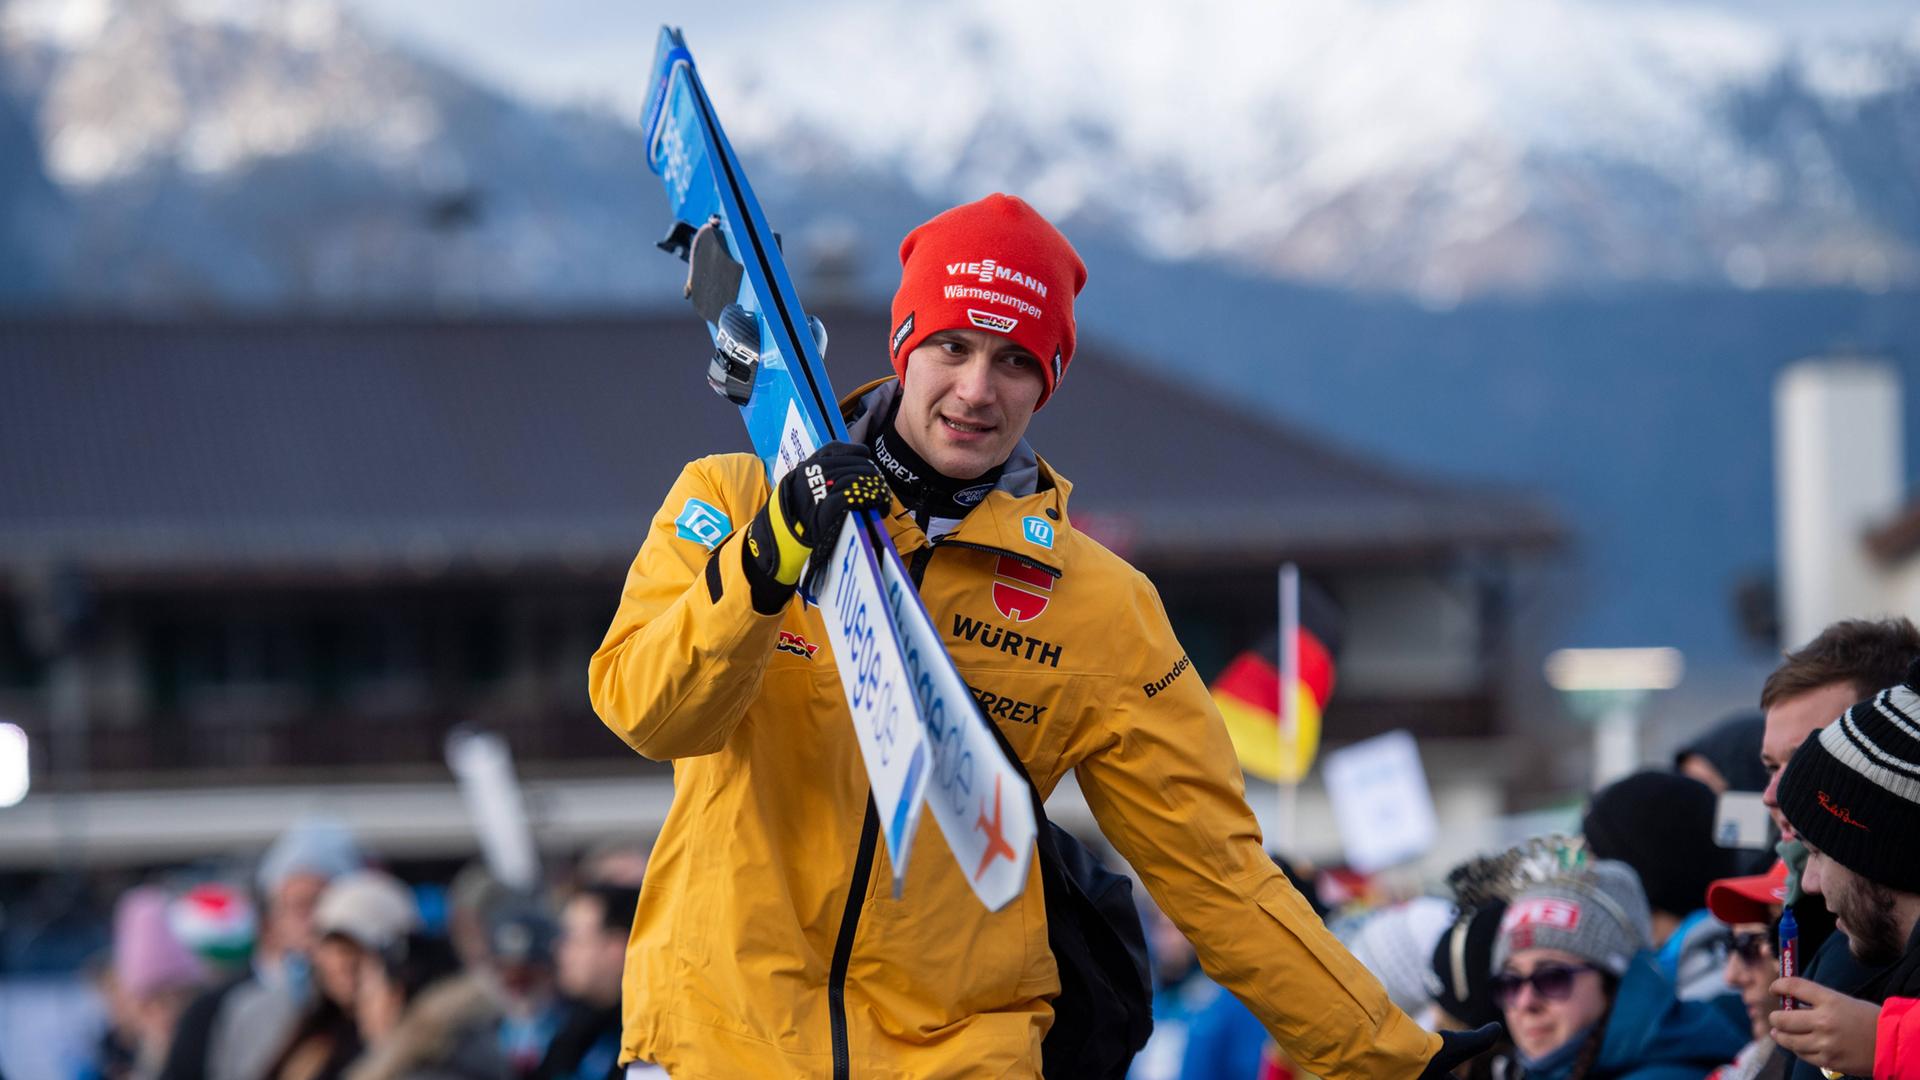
(1638, 949)
(1641, 949)
(330, 967)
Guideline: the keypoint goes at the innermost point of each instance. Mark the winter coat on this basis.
(587, 1046)
(234, 1031)
(733, 947)
(1896, 1045)
(1652, 1035)
(1899, 981)
(448, 1032)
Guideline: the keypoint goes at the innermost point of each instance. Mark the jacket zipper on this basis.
(991, 550)
(843, 948)
(869, 837)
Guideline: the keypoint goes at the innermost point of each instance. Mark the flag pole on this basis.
(1287, 792)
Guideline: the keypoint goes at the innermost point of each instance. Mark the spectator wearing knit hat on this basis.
(1847, 661)
(1462, 965)
(155, 974)
(360, 915)
(1661, 825)
(234, 1030)
(1582, 997)
(1852, 794)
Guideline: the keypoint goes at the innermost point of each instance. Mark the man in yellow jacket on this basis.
(766, 943)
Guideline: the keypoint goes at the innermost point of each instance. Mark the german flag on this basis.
(1248, 695)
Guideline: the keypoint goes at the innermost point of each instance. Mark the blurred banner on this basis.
(483, 763)
(1248, 692)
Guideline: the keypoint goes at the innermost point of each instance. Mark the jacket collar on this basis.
(1026, 507)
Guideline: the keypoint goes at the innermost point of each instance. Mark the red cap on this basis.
(1748, 899)
(993, 265)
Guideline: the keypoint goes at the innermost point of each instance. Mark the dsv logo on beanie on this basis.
(987, 320)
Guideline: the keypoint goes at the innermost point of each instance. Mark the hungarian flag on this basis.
(1248, 694)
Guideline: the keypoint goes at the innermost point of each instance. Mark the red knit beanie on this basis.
(993, 265)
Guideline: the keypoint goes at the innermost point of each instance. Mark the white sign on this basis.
(1380, 801)
(979, 799)
(873, 672)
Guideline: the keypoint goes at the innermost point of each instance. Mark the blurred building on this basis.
(251, 569)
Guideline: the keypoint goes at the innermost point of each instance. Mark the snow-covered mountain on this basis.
(1444, 147)
(281, 154)
(281, 151)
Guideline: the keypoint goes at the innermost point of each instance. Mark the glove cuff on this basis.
(792, 554)
(760, 559)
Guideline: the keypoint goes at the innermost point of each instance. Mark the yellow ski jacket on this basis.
(767, 941)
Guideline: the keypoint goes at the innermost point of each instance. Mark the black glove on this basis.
(1458, 1047)
(804, 514)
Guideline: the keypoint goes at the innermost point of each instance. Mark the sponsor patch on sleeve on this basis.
(793, 643)
(703, 523)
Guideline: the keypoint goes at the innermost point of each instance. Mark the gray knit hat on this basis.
(1597, 912)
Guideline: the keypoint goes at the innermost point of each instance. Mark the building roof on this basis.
(142, 446)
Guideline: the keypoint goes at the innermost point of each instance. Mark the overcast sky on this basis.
(597, 51)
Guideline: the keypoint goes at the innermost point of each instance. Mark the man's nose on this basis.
(974, 382)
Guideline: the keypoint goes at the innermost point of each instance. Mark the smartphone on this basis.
(1742, 822)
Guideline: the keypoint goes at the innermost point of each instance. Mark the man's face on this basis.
(1863, 910)
(289, 917)
(590, 959)
(966, 400)
(1789, 722)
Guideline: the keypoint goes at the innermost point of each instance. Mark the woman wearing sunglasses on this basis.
(1581, 995)
(1750, 908)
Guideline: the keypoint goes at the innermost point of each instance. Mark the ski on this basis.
(921, 735)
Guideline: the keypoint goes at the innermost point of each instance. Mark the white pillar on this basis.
(1838, 471)
(1616, 743)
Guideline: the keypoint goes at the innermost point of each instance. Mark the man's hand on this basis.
(804, 514)
(1460, 1047)
(1830, 1030)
